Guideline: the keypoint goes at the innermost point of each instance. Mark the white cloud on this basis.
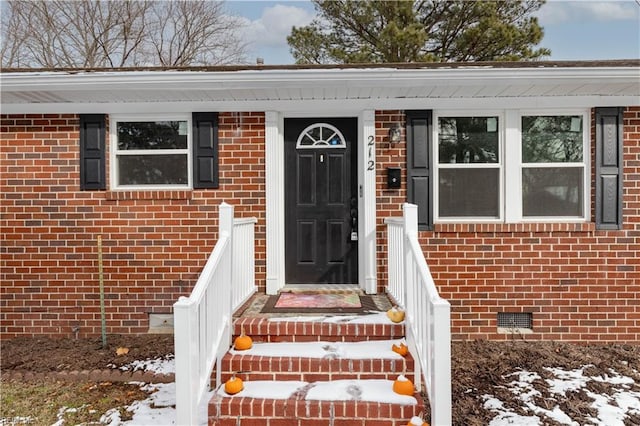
(554, 12)
(273, 27)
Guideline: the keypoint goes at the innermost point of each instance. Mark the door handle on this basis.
(354, 219)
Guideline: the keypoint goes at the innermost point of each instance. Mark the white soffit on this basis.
(286, 89)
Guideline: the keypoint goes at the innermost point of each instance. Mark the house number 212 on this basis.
(371, 164)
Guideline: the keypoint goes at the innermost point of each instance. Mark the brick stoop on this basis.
(264, 330)
(298, 409)
(242, 411)
(251, 367)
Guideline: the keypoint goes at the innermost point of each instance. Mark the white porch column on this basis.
(274, 176)
(512, 169)
(367, 202)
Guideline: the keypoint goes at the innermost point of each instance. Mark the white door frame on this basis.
(274, 176)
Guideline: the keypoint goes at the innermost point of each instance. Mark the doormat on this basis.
(348, 303)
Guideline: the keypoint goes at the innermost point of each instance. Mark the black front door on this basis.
(321, 217)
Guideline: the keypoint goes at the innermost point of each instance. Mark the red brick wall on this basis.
(579, 284)
(154, 243)
(388, 201)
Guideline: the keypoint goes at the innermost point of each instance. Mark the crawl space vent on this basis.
(522, 320)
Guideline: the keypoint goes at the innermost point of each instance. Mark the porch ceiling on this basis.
(264, 88)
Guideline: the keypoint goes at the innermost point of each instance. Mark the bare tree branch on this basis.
(12, 40)
(118, 33)
(197, 33)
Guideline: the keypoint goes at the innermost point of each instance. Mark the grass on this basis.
(47, 402)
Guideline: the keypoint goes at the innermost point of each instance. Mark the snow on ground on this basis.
(612, 408)
(506, 417)
(157, 409)
(64, 410)
(164, 365)
(161, 365)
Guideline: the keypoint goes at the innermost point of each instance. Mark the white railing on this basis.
(427, 319)
(202, 321)
(243, 270)
(395, 259)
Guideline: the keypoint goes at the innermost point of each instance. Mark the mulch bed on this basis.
(83, 359)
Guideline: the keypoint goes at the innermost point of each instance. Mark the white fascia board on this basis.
(322, 106)
(374, 77)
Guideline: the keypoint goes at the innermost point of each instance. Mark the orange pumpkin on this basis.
(400, 349)
(243, 342)
(233, 385)
(395, 314)
(403, 386)
(417, 421)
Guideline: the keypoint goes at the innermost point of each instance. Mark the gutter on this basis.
(341, 77)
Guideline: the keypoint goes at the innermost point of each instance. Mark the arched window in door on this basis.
(320, 135)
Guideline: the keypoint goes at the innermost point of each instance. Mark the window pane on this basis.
(552, 191)
(468, 140)
(152, 135)
(320, 135)
(469, 193)
(152, 169)
(552, 139)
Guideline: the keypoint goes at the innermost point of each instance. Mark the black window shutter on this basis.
(205, 149)
(609, 168)
(419, 131)
(92, 152)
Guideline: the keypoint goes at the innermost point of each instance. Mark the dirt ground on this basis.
(482, 367)
(478, 368)
(46, 354)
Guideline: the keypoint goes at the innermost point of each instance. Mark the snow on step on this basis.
(380, 349)
(267, 389)
(371, 390)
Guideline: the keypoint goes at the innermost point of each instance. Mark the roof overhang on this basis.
(546, 85)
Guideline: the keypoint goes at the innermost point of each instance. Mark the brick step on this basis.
(316, 361)
(350, 402)
(331, 329)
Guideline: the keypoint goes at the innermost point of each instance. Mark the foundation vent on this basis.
(509, 321)
(160, 323)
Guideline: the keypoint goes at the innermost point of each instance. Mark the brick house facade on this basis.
(579, 283)
(574, 280)
(154, 243)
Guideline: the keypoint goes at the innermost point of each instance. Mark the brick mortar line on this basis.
(110, 375)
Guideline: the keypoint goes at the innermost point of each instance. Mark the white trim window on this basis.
(511, 166)
(151, 152)
(554, 160)
(469, 166)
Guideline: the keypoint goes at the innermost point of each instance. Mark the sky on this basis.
(573, 30)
